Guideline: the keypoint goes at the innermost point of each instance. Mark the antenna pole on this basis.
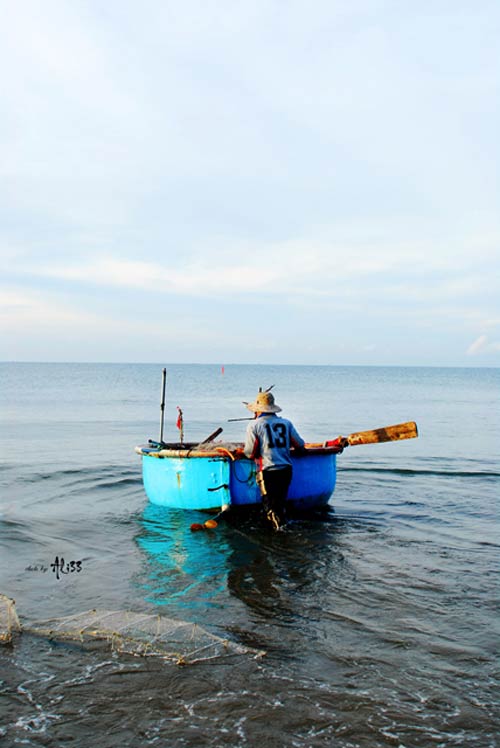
(162, 404)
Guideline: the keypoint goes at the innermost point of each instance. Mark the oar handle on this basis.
(213, 436)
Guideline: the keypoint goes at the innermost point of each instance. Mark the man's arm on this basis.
(296, 441)
(252, 446)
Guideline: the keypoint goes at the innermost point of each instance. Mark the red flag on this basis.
(180, 424)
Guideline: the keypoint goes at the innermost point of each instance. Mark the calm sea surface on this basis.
(379, 619)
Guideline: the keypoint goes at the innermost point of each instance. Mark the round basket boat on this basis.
(206, 477)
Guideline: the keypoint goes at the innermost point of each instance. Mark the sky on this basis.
(275, 182)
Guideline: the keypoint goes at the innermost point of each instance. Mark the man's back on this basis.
(269, 439)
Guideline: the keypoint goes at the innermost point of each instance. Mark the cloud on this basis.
(295, 164)
(21, 310)
(310, 269)
(38, 313)
(111, 107)
(193, 279)
(292, 267)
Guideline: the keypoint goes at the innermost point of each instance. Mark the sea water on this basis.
(379, 618)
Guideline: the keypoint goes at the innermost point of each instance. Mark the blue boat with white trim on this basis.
(214, 475)
(206, 477)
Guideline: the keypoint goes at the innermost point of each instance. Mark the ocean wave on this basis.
(423, 471)
(103, 475)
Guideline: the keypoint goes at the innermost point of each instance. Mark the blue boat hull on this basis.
(209, 482)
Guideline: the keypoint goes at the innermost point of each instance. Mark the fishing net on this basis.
(9, 622)
(226, 446)
(143, 635)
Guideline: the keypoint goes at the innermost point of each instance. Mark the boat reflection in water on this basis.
(182, 568)
(241, 574)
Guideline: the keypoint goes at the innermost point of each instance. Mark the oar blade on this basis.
(395, 433)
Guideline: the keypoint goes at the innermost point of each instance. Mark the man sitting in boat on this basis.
(268, 441)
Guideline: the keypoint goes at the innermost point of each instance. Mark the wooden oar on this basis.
(395, 433)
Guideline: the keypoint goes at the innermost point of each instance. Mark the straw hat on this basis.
(264, 403)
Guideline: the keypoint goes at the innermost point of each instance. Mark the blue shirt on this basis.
(269, 439)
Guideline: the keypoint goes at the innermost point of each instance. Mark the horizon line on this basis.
(219, 364)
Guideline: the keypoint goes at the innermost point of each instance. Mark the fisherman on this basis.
(268, 441)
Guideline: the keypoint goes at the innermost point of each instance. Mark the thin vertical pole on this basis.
(162, 404)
